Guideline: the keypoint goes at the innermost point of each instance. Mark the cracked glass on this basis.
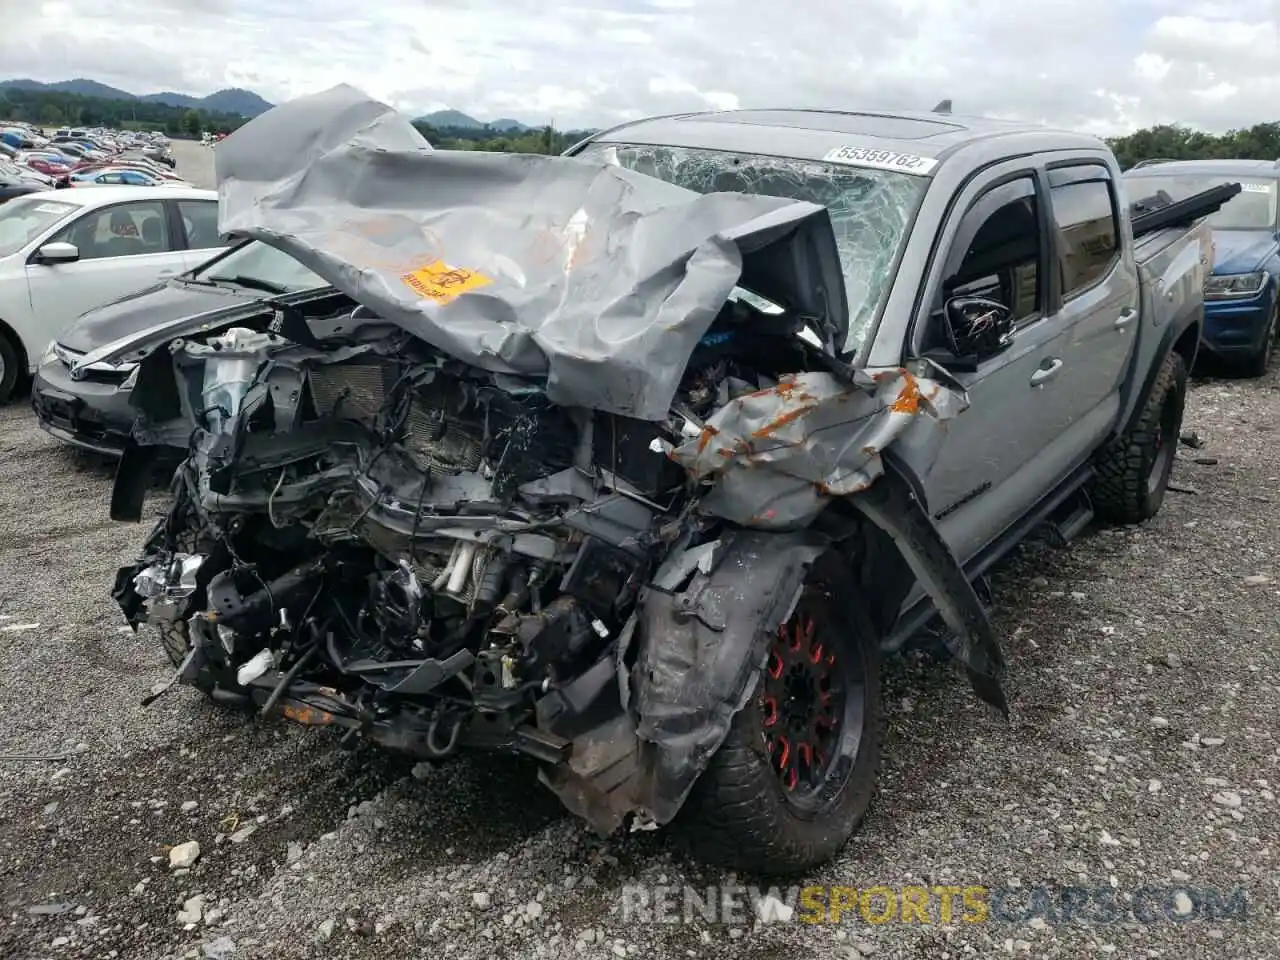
(870, 210)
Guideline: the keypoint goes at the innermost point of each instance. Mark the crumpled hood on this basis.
(597, 278)
(1241, 251)
(140, 311)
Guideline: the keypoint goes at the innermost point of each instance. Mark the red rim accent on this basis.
(802, 700)
(786, 752)
(771, 711)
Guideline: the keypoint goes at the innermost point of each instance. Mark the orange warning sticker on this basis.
(443, 284)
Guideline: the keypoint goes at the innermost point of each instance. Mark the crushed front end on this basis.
(369, 534)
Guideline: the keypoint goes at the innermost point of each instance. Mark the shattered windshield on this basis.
(1254, 208)
(870, 210)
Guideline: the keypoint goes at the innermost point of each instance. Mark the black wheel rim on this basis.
(812, 702)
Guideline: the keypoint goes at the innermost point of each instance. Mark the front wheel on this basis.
(1133, 470)
(797, 771)
(1256, 364)
(9, 372)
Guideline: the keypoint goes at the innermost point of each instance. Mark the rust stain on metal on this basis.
(309, 716)
(908, 400)
(784, 389)
(781, 421)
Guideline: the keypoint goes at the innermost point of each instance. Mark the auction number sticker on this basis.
(881, 160)
(442, 284)
(1256, 187)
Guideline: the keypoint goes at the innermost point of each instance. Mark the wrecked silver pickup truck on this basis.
(634, 460)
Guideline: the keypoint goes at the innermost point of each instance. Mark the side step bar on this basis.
(1068, 511)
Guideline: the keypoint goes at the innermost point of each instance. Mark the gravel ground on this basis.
(1143, 751)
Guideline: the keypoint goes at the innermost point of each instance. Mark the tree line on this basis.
(544, 140)
(1170, 142)
(53, 109)
(56, 109)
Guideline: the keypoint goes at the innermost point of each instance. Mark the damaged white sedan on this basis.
(634, 461)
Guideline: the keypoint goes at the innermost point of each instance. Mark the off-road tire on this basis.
(10, 374)
(1133, 470)
(173, 637)
(737, 816)
(1256, 364)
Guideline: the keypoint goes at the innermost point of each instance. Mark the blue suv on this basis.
(1240, 310)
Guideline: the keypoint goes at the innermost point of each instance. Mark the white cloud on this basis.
(1099, 65)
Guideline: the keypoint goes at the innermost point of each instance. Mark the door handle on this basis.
(1127, 316)
(1048, 370)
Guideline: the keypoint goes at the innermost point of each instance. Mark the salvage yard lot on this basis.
(1143, 677)
(1143, 752)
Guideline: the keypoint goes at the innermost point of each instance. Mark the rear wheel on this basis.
(1133, 470)
(797, 772)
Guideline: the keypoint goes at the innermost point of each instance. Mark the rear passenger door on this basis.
(198, 220)
(1095, 291)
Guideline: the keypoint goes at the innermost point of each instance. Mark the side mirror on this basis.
(52, 253)
(978, 327)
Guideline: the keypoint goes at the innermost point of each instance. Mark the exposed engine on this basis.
(370, 534)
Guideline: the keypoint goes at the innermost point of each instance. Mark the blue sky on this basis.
(1100, 65)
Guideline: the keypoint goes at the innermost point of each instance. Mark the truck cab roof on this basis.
(812, 134)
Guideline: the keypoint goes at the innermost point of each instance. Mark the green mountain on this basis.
(246, 103)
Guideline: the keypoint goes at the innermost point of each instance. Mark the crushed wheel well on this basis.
(883, 577)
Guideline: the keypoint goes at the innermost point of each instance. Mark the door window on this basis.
(200, 218)
(996, 253)
(1085, 214)
(124, 230)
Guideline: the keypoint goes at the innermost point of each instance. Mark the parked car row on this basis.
(76, 158)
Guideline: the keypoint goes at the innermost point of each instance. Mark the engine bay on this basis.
(368, 533)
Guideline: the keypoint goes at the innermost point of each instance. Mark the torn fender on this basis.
(700, 651)
(893, 507)
(777, 456)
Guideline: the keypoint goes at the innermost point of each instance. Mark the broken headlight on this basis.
(175, 580)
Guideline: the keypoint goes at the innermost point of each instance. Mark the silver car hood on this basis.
(596, 278)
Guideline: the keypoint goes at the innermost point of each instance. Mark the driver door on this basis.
(992, 464)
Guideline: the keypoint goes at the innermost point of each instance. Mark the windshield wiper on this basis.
(253, 283)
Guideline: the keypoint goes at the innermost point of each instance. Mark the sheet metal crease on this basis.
(599, 279)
